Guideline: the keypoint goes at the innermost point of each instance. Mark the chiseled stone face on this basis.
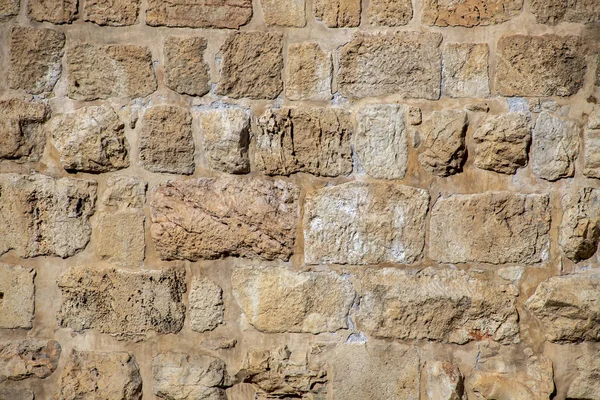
(466, 70)
(199, 13)
(284, 12)
(308, 72)
(580, 228)
(22, 137)
(206, 305)
(57, 12)
(554, 148)
(338, 13)
(186, 72)
(389, 12)
(27, 358)
(112, 13)
(469, 13)
(120, 237)
(553, 12)
(17, 296)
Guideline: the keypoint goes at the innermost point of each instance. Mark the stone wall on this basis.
(299, 199)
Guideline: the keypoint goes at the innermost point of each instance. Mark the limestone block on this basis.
(444, 381)
(17, 296)
(554, 148)
(110, 12)
(284, 12)
(26, 358)
(338, 13)
(389, 12)
(120, 237)
(556, 11)
(8, 9)
(579, 232)
(308, 72)
(469, 13)
(124, 192)
(22, 137)
(465, 72)
(199, 13)
(57, 12)
(186, 72)
(206, 305)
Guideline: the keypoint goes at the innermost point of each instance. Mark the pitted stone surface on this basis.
(389, 12)
(23, 359)
(112, 13)
(586, 384)
(199, 13)
(22, 137)
(553, 12)
(17, 296)
(591, 161)
(206, 305)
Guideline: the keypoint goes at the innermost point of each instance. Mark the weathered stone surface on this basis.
(300, 139)
(502, 142)
(45, 216)
(493, 227)
(35, 59)
(22, 136)
(100, 72)
(186, 72)
(226, 136)
(446, 305)
(580, 227)
(8, 9)
(338, 13)
(547, 65)
(276, 299)
(308, 72)
(444, 148)
(403, 63)
(100, 376)
(206, 305)
(17, 295)
(555, 11)
(465, 72)
(568, 307)
(199, 13)
(389, 12)
(251, 65)
(591, 162)
(122, 303)
(166, 141)
(554, 148)
(444, 381)
(16, 394)
(365, 223)
(469, 13)
(91, 139)
(585, 384)
(26, 358)
(57, 12)
(228, 216)
(109, 12)
(284, 12)
(381, 141)
(188, 376)
(120, 237)
(124, 192)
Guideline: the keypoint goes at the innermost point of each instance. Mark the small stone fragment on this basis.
(186, 72)
(469, 13)
(591, 163)
(554, 148)
(338, 13)
(308, 72)
(389, 12)
(166, 141)
(17, 295)
(199, 13)
(555, 11)
(57, 12)
(206, 305)
(8, 9)
(124, 192)
(284, 12)
(120, 237)
(586, 384)
(466, 70)
(414, 115)
(444, 381)
(22, 359)
(110, 12)
(22, 136)
(580, 227)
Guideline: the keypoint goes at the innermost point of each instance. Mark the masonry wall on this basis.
(290, 199)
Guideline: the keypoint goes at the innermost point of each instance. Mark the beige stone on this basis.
(446, 305)
(555, 11)
(110, 12)
(585, 384)
(99, 72)
(444, 381)
(465, 72)
(308, 72)
(284, 12)
(100, 376)
(186, 72)
(22, 136)
(381, 140)
(124, 192)
(580, 228)
(492, 227)
(365, 223)
(16, 394)
(444, 148)
(389, 12)
(126, 304)
(251, 65)
(502, 142)
(547, 65)
(227, 216)
(57, 12)
(8, 9)
(120, 237)
(43, 216)
(338, 13)
(554, 147)
(407, 64)
(17, 296)
(35, 59)
(301, 139)
(206, 305)
(166, 143)
(199, 13)
(22, 359)
(469, 13)
(591, 162)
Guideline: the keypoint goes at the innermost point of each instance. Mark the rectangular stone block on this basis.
(199, 13)
(591, 140)
(17, 297)
(390, 12)
(56, 12)
(466, 70)
(109, 12)
(469, 13)
(554, 147)
(186, 72)
(308, 72)
(28, 358)
(338, 13)
(120, 237)
(553, 12)
(206, 305)
(284, 12)
(22, 136)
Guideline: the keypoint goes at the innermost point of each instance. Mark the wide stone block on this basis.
(338, 13)
(469, 13)
(389, 12)
(17, 296)
(553, 12)
(27, 358)
(22, 136)
(56, 12)
(554, 147)
(284, 12)
(109, 12)
(199, 13)
(186, 72)
(308, 72)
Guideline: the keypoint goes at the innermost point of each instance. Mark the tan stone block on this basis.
(470, 13)
(585, 384)
(308, 72)
(338, 13)
(110, 12)
(17, 297)
(199, 13)
(206, 305)
(284, 12)
(27, 358)
(389, 12)
(186, 72)
(8, 9)
(444, 381)
(554, 147)
(120, 238)
(466, 70)
(579, 232)
(22, 137)
(124, 192)
(57, 12)
(591, 162)
(556, 11)
(16, 394)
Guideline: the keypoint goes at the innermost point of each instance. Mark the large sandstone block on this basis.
(494, 227)
(186, 72)
(276, 299)
(228, 216)
(469, 13)
(120, 238)
(206, 305)
(284, 12)
(580, 228)
(122, 303)
(402, 63)
(45, 216)
(100, 72)
(465, 72)
(547, 65)
(308, 72)
(446, 305)
(57, 12)
(337, 13)
(389, 12)
(26, 358)
(17, 296)
(35, 59)
(8, 9)
(109, 12)
(554, 148)
(365, 223)
(556, 11)
(22, 137)
(299, 139)
(199, 13)
(591, 162)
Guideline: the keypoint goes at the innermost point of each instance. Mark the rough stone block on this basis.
(338, 13)
(591, 162)
(22, 137)
(308, 72)
(585, 384)
(554, 148)
(17, 296)
(556, 11)
(469, 13)
(186, 72)
(110, 12)
(579, 232)
(26, 358)
(284, 12)
(120, 237)
(8, 9)
(443, 381)
(199, 13)
(206, 305)
(57, 12)
(389, 12)
(124, 192)
(465, 72)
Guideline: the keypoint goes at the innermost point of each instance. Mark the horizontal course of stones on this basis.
(289, 199)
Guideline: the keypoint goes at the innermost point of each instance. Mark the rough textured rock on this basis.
(8, 9)
(444, 381)
(300, 139)
(226, 137)
(444, 148)
(16, 394)
(276, 299)
(365, 223)
(591, 162)
(120, 237)
(580, 227)
(547, 65)
(465, 72)
(493, 227)
(446, 305)
(568, 307)
(337, 13)
(123, 303)
(555, 11)
(166, 142)
(91, 139)
(308, 72)
(186, 72)
(402, 63)
(22, 359)
(100, 72)
(554, 148)
(110, 12)
(206, 305)
(100, 376)
(57, 12)
(45, 216)
(389, 12)
(585, 384)
(229, 216)
(251, 65)
(17, 295)
(124, 192)
(469, 13)
(188, 376)
(22, 136)
(284, 12)
(381, 141)
(502, 142)
(39, 70)
(199, 13)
